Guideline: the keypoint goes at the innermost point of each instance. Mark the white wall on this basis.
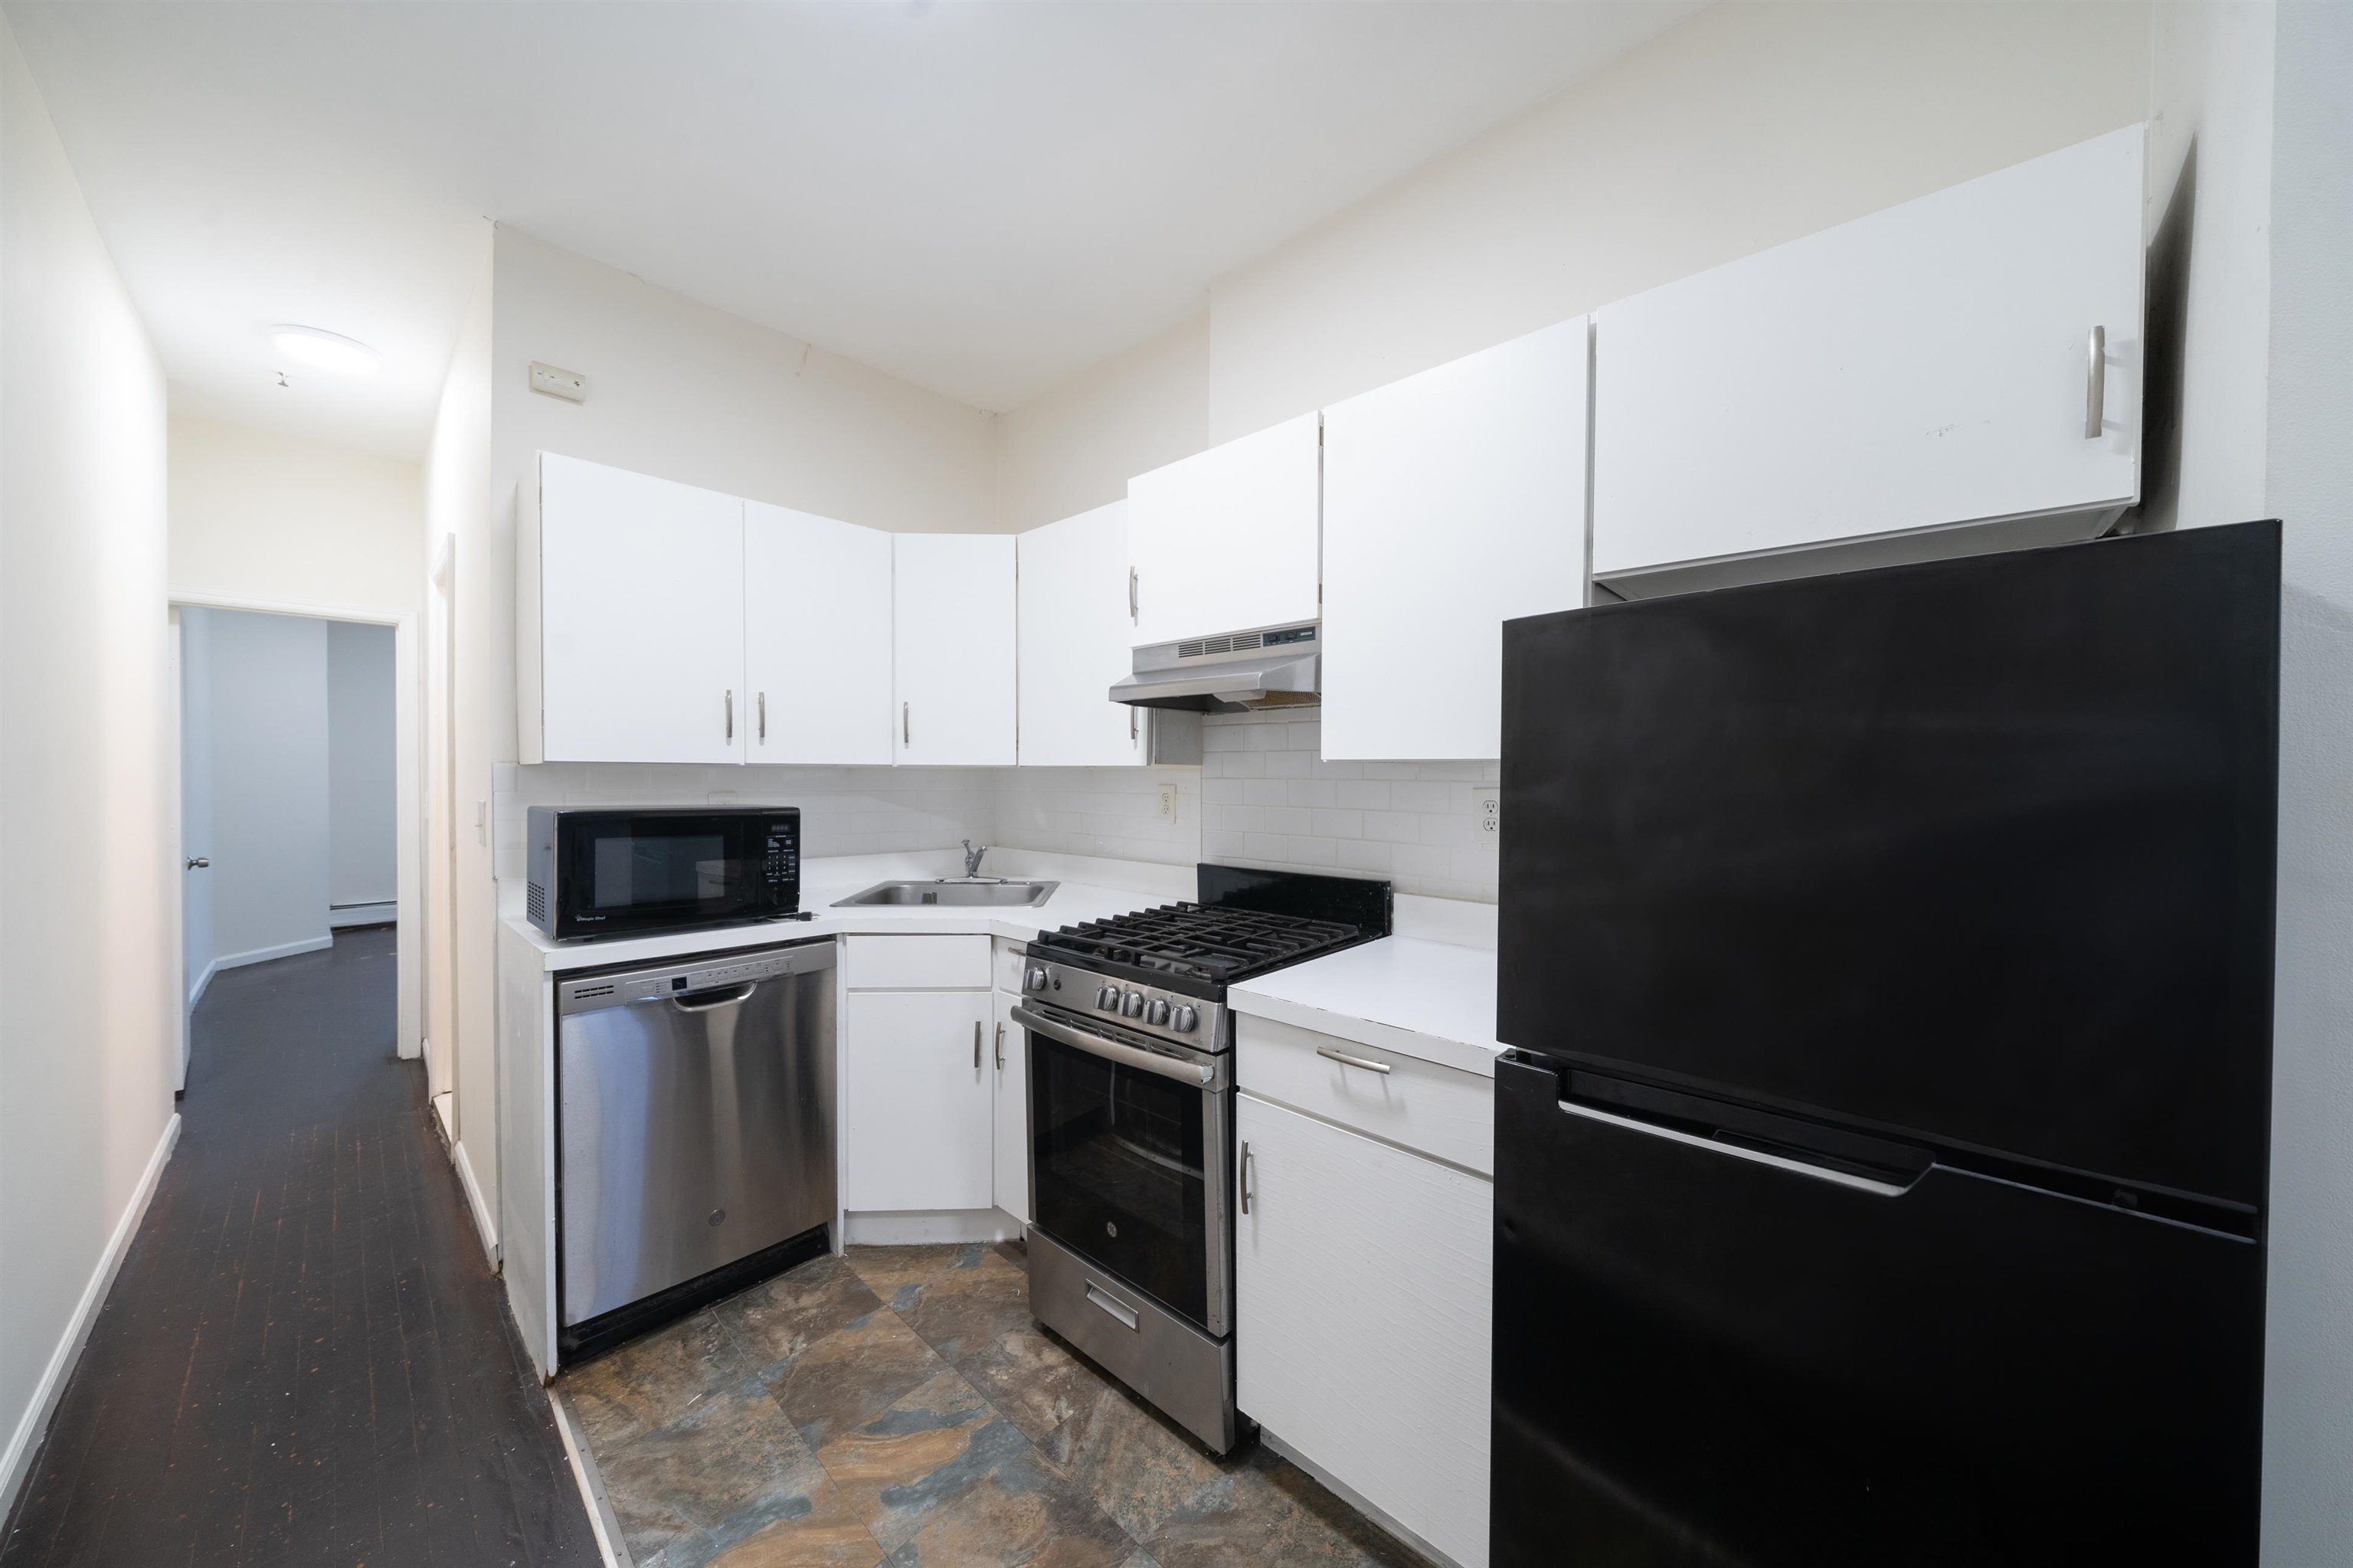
(363, 853)
(1075, 448)
(268, 742)
(86, 1012)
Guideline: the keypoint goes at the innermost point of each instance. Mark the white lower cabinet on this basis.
(1011, 1065)
(1364, 1277)
(918, 1101)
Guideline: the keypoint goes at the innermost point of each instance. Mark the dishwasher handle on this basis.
(691, 1001)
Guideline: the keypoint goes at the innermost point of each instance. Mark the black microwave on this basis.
(611, 873)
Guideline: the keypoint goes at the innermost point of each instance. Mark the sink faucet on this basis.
(972, 859)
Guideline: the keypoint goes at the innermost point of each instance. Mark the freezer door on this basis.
(695, 1130)
(1709, 1352)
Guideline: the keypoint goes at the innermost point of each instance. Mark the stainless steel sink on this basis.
(956, 892)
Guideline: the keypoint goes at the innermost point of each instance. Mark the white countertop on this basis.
(1430, 1001)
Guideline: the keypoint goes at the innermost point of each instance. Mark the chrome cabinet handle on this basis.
(1131, 593)
(731, 713)
(906, 730)
(976, 1045)
(1000, 1047)
(198, 862)
(2095, 381)
(1243, 1169)
(1131, 724)
(764, 718)
(1347, 1061)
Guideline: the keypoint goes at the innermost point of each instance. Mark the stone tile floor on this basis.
(900, 1407)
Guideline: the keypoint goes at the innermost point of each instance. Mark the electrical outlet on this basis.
(568, 385)
(1168, 802)
(1491, 810)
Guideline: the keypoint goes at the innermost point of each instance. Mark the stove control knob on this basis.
(1132, 1004)
(1107, 999)
(1157, 1013)
(1186, 1020)
(1034, 979)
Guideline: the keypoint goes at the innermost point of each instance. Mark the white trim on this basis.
(915, 1228)
(315, 609)
(1354, 1499)
(196, 995)
(263, 955)
(25, 1440)
(609, 1540)
(342, 915)
(482, 1219)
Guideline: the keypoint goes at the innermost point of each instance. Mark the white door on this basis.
(641, 617)
(1226, 541)
(1363, 1284)
(1926, 365)
(1074, 630)
(817, 638)
(918, 1101)
(1453, 501)
(952, 624)
(1011, 1064)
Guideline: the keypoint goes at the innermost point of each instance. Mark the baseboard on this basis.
(263, 955)
(24, 1442)
(482, 1221)
(197, 992)
(1349, 1495)
(341, 916)
(610, 1543)
(441, 1120)
(913, 1227)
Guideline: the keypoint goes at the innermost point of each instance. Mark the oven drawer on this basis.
(1432, 1109)
(917, 963)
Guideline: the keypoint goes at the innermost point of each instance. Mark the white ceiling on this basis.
(984, 198)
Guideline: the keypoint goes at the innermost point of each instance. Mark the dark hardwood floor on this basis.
(305, 1357)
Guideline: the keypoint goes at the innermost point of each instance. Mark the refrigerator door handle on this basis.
(1734, 1150)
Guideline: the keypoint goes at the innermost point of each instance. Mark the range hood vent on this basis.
(1278, 667)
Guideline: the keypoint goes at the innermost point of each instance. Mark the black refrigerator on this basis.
(1881, 1159)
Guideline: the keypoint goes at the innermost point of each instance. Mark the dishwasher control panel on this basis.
(688, 977)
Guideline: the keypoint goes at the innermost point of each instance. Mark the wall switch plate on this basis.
(568, 385)
(1491, 810)
(1168, 802)
(722, 796)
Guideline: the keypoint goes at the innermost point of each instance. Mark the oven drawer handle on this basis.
(1111, 1050)
(1119, 1311)
(1347, 1061)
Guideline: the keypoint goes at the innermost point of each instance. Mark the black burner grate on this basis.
(1189, 941)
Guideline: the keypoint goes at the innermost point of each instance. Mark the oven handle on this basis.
(1200, 1073)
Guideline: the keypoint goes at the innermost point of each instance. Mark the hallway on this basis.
(305, 1357)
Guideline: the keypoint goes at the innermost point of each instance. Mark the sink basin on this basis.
(954, 892)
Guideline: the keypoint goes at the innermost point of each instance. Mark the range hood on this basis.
(1281, 667)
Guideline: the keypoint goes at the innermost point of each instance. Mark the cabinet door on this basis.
(1925, 365)
(917, 1092)
(641, 617)
(1011, 1062)
(951, 626)
(1452, 500)
(816, 616)
(1363, 1280)
(1228, 540)
(1073, 633)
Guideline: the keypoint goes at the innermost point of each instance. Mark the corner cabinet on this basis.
(1971, 359)
(1073, 635)
(1453, 501)
(952, 650)
(640, 619)
(816, 597)
(1229, 540)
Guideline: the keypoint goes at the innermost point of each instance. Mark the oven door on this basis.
(1128, 1159)
(652, 871)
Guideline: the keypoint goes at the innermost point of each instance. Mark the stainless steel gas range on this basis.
(1130, 1122)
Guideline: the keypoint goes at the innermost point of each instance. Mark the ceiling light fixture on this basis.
(324, 349)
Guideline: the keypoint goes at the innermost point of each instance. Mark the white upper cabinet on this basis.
(817, 606)
(640, 612)
(1453, 501)
(1927, 365)
(953, 640)
(1073, 628)
(1228, 540)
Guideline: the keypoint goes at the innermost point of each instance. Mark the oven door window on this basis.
(1116, 1161)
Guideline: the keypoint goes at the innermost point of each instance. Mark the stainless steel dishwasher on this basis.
(695, 1137)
